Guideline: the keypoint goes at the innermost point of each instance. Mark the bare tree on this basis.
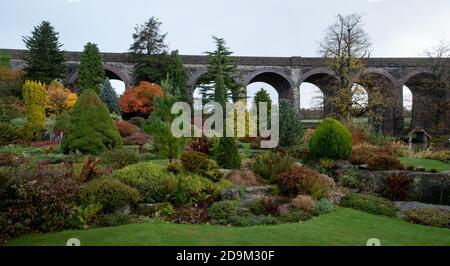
(345, 48)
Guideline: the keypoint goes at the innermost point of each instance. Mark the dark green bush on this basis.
(91, 127)
(119, 158)
(431, 217)
(62, 122)
(109, 192)
(230, 213)
(8, 133)
(294, 216)
(331, 140)
(226, 154)
(291, 129)
(269, 165)
(221, 211)
(369, 203)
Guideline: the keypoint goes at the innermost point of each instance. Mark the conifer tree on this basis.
(45, 58)
(91, 74)
(178, 76)
(34, 97)
(109, 97)
(91, 127)
(147, 38)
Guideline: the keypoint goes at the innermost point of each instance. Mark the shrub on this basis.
(361, 153)
(349, 180)
(125, 128)
(304, 203)
(8, 133)
(369, 203)
(62, 123)
(203, 145)
(110, 193)
(227, 154)
(119, 158)
(324, 206)
(40, 198)
(244, 178)
(138, 138)
(303, 180)
(9, 108)
(291, 130)
(221, 211)
(138, 101)
(431, 217)
(396, 148)
(138, 121)
(256, 206)
(294, 216)
(56, 98)
(91, 127)
(336, 195)
(197, 162)
(269, 165)
(331, 140)
(229, 213)
(384, 162)
(443, 155)
(397, 186)
(34, 97)
(154, 182)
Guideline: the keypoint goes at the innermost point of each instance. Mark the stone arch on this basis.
(325, 79)
(279, 80)
(111, 72)
(429, 110)
(379, 83)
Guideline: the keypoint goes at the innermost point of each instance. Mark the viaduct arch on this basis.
(286, 74)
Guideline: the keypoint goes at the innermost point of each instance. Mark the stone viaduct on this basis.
(286, 74)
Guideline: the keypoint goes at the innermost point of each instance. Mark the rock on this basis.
(246, 194)
(148, 209)
(125, 210)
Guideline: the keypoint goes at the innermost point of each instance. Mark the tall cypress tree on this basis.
(109, 97)
(45, 58)
(91, 74)
(262, 96)
(178, 76)
(218, 83)
(219, 87)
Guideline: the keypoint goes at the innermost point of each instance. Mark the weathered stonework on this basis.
(286, 74)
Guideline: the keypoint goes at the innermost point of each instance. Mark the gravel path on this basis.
(410, 205)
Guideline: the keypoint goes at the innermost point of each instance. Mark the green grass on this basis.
(343, 227)
(425, 163)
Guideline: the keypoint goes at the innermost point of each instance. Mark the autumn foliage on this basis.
(57, 96)
(139, 100)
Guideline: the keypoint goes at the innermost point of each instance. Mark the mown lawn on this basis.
(343, 227)
(426, 163)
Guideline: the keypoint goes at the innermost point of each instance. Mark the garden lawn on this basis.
(343, 227)
(426, 163)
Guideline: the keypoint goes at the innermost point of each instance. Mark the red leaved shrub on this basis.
(125, 128)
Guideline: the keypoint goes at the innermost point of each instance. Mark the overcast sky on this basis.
(398, 28)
